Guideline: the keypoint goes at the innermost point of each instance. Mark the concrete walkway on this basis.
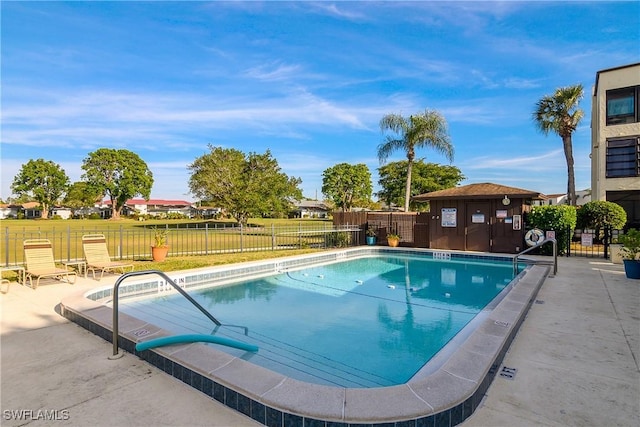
(576, 357)
(576, 354)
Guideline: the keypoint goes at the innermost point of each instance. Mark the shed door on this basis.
(478, 227)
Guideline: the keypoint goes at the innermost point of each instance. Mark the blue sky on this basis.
(307, 80)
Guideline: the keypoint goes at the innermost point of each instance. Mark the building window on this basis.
(623, 106)
(623, 157)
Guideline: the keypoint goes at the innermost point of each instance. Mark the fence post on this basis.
(6, 245)
(206, 238)
(121, 243)
(273, 237)
(241, 238)
(607, 240)
(68, 243)
(568, 241)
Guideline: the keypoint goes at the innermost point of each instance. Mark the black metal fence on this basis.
(592, 243)
(127, 243)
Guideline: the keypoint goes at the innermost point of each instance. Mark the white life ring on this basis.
(534, 237)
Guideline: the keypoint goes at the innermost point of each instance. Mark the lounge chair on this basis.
(97, 256)
(38, 256)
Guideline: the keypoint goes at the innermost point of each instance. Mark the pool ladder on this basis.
(168, 280)
(555, 255)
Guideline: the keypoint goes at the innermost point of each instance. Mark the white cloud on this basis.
(273, 71)
(526, 164)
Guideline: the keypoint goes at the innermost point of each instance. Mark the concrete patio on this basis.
(576, 357)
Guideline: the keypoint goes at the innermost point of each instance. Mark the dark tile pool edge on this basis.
(289, 402)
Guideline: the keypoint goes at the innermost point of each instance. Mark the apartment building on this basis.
(615, 139)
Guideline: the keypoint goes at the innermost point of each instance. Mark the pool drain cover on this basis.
(538, 301)
(508, 373)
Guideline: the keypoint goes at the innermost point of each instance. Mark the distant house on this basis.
(9, 211)
(62, 212)
(154, 207)
(311, 209)
(582, 197)
(205, 212)
(31, 210)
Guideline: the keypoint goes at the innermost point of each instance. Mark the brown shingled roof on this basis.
(485, 190)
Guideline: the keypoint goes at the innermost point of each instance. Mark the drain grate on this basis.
(508, 373)
(538, 301)
(501, 323)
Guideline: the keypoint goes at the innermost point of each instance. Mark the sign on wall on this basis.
(449, 217)
(517, 222)
(477, 218)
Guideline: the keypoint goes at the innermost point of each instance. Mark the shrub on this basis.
(559, 218)
(601, 214)
(631, 244)
(340, 239)
(176, 215)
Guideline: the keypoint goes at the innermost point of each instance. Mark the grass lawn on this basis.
(82, 225)
(197, 261)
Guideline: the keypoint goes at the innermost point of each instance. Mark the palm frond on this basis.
(390, 145)
(395, 123)
(559, 112)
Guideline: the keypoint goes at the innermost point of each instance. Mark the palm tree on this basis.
(560, 113)
(428, 129)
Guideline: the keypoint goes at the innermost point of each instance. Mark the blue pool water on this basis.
(367, 322)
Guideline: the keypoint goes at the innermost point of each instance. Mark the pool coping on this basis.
(446, 396)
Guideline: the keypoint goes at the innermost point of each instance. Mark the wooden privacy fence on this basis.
(412, 227)
(136, 243)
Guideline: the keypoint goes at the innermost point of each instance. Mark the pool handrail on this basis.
(555, 254)
(168, 280)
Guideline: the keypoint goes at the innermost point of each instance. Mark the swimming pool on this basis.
(445, 394)
(316, 323)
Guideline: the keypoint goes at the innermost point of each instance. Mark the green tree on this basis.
(600, 214)
(428, 129)
(43, 180)
(243, 185)
(81, 195)
(559, 113)
(426, 177)
(118, 174)
(345, 184)
(21, 199)
(559, 218)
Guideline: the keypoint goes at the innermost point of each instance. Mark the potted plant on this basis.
(631, 253)
(393, 240)
(371, 236)
(160, 247)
